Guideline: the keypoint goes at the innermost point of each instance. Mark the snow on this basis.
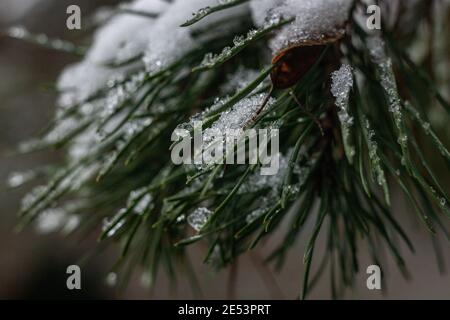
(261, 10)
(388, 82)
(230, 126)
(17, 179)
(257, 182)
(374, 157)
(167, 41)
(80, 81)
(273, 184)
(342, 83)
(124, 36)
(161, 41)
(314, 19)
(117, 41)
(83, 144)
(238, 116)
(59, 219)
(199, 218)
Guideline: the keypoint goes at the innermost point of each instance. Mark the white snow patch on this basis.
(314, 19)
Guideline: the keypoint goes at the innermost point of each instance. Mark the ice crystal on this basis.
(375, 160)
(342, 83)
(212, 60)
(238, 115)
(121, 93)
(199, 218)
(388, 82)
(273, 186)
(230, 126)
(196, 119)
(257, 182)
(373, 155)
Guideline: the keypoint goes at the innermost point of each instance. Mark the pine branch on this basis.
(349, 141)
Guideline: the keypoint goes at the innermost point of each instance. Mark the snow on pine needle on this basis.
(388, 82)
(151, 69)
(231, 125)
(378, 171)
(198, 218)
(162, 52)
(342, 83)
(313, 19)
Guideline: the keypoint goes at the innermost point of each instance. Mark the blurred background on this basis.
(33, 266)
